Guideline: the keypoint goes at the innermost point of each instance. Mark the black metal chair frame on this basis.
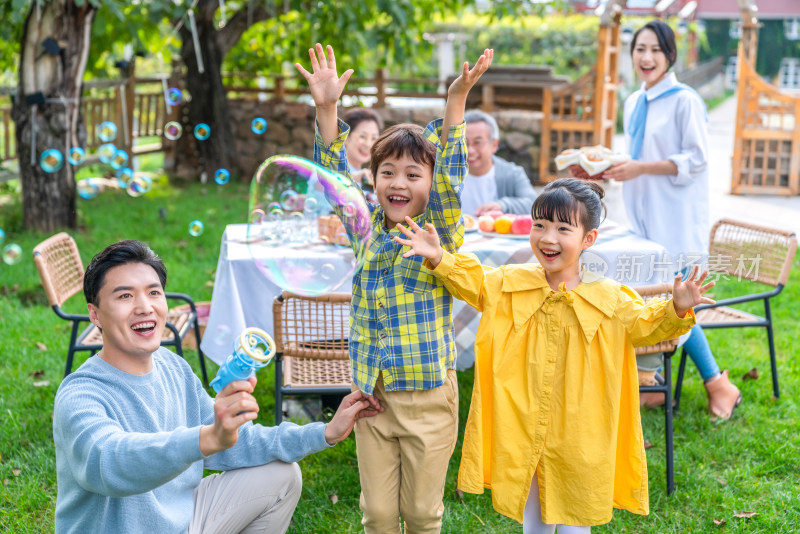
(665, 386)
(765, 322)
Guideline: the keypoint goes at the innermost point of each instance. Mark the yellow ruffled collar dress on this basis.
(556, 390)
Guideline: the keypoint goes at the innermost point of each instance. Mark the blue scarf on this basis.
(639, 117)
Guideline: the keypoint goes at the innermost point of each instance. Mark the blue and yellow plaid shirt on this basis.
(401, 316)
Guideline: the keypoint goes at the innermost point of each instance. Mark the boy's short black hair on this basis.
(119, 253)
(401, 140)
(356, 116)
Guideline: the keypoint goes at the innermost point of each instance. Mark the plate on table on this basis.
(470, 223)
(526, 237)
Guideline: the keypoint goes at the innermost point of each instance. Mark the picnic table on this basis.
(243, 295)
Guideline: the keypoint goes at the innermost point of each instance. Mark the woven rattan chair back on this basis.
(60, 267)
(648, 292)
(312, 327)
(751, 252)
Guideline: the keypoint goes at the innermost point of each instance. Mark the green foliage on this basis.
(566, 43)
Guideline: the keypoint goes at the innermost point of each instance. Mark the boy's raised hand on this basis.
(458, 90)
(688, 294)
(422, 242)
(325, 84)
(469, 77)
(326, 87)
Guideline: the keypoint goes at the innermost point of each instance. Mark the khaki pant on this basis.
(403, 455)
(252, 499)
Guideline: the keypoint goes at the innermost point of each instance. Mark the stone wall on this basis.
(291, 131)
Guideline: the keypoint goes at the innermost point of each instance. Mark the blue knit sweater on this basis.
(128, 447)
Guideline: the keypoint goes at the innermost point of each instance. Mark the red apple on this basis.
(522, 225)
(486, 223)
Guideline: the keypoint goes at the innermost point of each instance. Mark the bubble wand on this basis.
(254, 350)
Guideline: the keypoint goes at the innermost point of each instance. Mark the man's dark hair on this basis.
(119, 253)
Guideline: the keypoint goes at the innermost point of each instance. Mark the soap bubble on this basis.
(106, 152)
(222, 335)
(259, 125)
(76, 155)
(124, 176)
(284, 235)
(2, 235)
(174, 96)
(202, 131)
(51, 160)
(87, 188)
(119, 160)
(173, 130)
(107, 131)
(138, 185)
(222, 176)
(195, 228)
(12, 254)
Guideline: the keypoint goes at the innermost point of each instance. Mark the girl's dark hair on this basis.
(356, 116)
(119, 253)
(562, 199)
(666, 39)
(401, 140)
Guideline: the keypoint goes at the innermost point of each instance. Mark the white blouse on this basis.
(671, 209)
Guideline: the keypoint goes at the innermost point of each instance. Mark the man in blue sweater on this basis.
(134, 428)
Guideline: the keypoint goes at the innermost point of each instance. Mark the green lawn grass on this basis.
(747, 464)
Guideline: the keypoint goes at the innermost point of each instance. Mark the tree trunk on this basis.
(48, 199)
(208, 103)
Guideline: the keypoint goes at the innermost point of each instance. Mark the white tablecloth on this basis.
(243, 296)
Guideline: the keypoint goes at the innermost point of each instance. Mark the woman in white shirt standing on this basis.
(665, 187)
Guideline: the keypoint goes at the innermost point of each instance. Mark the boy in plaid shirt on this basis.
(402, 348)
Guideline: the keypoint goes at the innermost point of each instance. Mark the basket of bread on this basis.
(588, 162)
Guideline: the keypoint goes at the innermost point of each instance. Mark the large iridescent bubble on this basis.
(288, 195)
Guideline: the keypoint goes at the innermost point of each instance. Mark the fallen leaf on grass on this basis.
(16, 471)
(39, 373)
(334, 499)
(210, 284)
(719, 522)
(460, 494)
(746, 514)
(647, 445)
(722, 481)
(41, 346)
(41, 383)
(752, 374)
(6, 481)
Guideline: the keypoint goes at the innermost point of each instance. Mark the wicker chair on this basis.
(311, 346)
(61, 271)
(770, 253)
(663, 382)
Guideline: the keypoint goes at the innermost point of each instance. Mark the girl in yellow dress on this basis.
(554, 428)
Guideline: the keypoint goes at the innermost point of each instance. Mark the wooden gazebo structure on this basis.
(766, 149)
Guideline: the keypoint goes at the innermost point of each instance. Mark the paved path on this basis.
(774, 211)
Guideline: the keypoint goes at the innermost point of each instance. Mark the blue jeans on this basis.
(698, 350)
(697, 347)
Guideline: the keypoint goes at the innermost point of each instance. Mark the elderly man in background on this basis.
(493, 184)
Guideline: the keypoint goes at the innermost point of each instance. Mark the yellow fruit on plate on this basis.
(503, 224)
